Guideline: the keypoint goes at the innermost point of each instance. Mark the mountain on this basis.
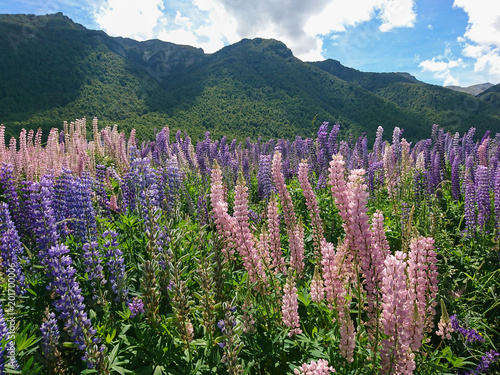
(492, 96)
(473, 90)
(52, 69)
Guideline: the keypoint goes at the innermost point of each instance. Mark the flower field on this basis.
(304, 256)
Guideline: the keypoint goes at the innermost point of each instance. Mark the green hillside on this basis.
(52, 70)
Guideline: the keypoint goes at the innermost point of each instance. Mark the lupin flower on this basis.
(314, 368)
(92, 262)
(225, 223)
(496, 195)
(483, 196)
(470, 204)
(397, 317)
(50, 342)
(290, 307)
(231, 343)
(470, 335)
(312, 207)
(42, 215)
(294, 227)
(445, 327)
(116, 264)
(7, 353)
(265, 186)
(11, 248)
(487, 359)
(246, 243)
(317, 291)
(136, 307)
(70, 303)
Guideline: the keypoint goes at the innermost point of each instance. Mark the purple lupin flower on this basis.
(43, 220)
(496, 197)
(50, 336)
(455, 178)
(265, 186)
(116, 265)
(69, 301)
(100, 189)
(9, 347)
(9, 189)
(470, 204)
(396, 144)
(136, 307)
(92, 261)
(332, 140)
(10, 248)
(487, 359)
(470, 335)
(483, 196)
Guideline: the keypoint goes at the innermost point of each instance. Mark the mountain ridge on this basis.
(55, 70)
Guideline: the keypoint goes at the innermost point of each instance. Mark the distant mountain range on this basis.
(473, 90)
(52, 69)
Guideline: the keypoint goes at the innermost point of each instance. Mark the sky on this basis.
(443, 42)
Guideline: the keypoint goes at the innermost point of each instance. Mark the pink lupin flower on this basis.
(312, 207)
(337, 273)
(294, 228)
(397, 317)
(390, 177)
(423, 276)
(290, 307)
(337, 182)
(286, 199)
(224, 222)
(273, 227)
(317, 292)
(373, 273)
(296, 240)
(445, 327)
(244, 238)
(347, 337)
(314, 368)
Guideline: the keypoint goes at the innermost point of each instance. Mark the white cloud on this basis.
(441, 67)
(397, 13)
(481, 40)
(130, 18)
(210, 24)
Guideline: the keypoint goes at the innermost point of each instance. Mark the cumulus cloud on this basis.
(211, 24)
(130, 18)
(441, 67)
(481, 40)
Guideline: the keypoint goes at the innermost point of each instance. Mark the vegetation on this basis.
(286, 257)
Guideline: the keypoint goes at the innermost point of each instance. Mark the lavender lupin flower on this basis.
(136, 307)
(116, 264)
(470, 204)
(496, 195)
(92, 262)
(50, 336)
(487, 359)
(42, 216)
(455, 178)
(70, 302)
(10, 248)
(265, 186)
(9, 347)
(482, 196)
(470, 335)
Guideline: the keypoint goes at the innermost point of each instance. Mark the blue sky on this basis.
(442, 42)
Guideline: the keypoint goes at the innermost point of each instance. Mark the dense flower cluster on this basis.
(470, 335)
(314, 368)
(69, 302)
